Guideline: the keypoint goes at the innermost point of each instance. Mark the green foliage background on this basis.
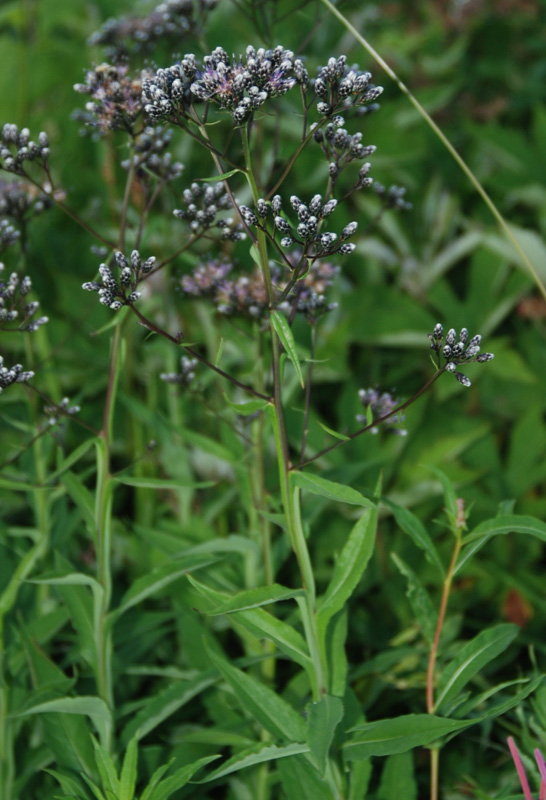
(479, 68)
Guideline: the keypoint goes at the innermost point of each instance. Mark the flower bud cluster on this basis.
(169, 21)
(339, 147)
(306, 233)
(16, 147)
(457, 350)
(15, 374)
(13, 304)
(204, 205)
(118, 292)
(115, 97)
(62, 409)
(186, 374)
(247, 294)
(339, 87)
(238, 86)
(21, 200)
(8, 234)
(150, 156)
(393, 197)
(380, 404)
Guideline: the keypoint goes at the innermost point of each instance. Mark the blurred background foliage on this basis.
(479, 67)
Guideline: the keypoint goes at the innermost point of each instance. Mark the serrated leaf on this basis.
(284, 332)
(322, 720)
(474, 655)
(258, 754)
(329, 489)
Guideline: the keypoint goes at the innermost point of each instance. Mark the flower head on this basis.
(118, 292)
(457, 350)
(115, 97)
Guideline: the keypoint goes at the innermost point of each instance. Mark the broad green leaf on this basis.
(248, 408)
(161, 483)
(361, 772)
(425, 613)
(161, 705)
(128, 776)
(388, 736)
(301, 781)
(157, 579)
(398, 778)
(106, 768)
(258, 754)
(284, 332)
(329, 489)
(417, 532)
(322, 720)
(478, 652)
(261, 702)
(499, 526)
(168, 786)
(349, 567)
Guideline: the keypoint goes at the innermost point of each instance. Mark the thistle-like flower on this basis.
(115, 97)
(457, 350)
(118, 292)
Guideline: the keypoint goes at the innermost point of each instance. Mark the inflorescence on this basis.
(457, 351)
(306, 233)
(16, 148)
(186, 374)
(378, 405)
(150, 157)
(13, 303)
(118, 292)
(339, 87)
(115, 97)
(204, 205)
(15, 374)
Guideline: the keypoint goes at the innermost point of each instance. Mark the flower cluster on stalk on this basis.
(8, 234)
(10, 375)
(247, 294)
(204, 207)
(151, 157)
(306, 233)
(17, 148)
(115, 97)
(21, 201)
(170, 21)
(340, 88)
(56, 412)
(14, 305)
(118, 292)
(186, 374)
(455, 350)
(379, 404)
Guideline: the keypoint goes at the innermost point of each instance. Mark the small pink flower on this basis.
(521, 771)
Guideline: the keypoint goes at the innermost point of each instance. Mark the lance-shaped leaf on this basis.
(258, 754)
(284, 332)
(329, 489)
(322, 720)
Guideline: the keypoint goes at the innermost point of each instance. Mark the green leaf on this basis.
(248, 408)
(222, 177)
(106, 768)
(211, 446)
(398, 778)
(161, 483)
(251, 598)
(93, 707)
(154, 780)
(301, 781)
(413, 526)
(361, 772)
(329, 489)
(478, 652)
(322, 720)
(284, 332)
(69, 784)
(425, 613)
(168, 786)
(333, 433)
(158, 579)
(82, 498)
(499, 526)
(261, 702)
(71, 459)
(161, 705)
(348, 570)
(449, 496)
(397, 735)
(127, 779)
(258, 754)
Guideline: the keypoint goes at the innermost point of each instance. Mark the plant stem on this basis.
(375, 422)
